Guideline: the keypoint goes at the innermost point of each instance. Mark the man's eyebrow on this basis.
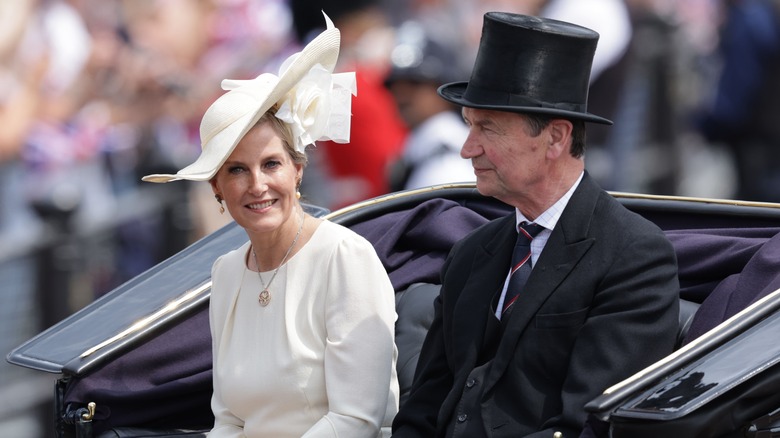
(463, 115)
(484, 122)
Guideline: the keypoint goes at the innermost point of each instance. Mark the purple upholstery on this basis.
(413, 244)
(163, 383)
(737, 266)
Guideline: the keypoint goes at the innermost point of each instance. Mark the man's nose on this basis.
(470, 148)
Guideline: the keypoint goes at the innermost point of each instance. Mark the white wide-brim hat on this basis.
(317, 109)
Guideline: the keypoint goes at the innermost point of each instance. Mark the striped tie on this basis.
(521, 263)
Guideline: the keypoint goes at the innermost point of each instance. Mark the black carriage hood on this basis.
(129, 314)
(134, 312)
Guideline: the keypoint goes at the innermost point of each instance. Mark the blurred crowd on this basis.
(96, 93)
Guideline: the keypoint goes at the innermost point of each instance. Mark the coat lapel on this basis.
(567, 244)
(485, 280)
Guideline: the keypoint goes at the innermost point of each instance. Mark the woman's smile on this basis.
(261, 205)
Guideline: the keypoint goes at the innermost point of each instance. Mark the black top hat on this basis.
(530, 65)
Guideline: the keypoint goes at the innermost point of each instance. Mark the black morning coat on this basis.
(600, 305)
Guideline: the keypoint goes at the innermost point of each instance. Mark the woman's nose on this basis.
(258, 183)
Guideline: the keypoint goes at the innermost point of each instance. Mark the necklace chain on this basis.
(265, 295)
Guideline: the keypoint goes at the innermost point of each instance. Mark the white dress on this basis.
(319, 360)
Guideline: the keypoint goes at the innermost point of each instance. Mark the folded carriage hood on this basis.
(128, 314)
(735, 351)
(135, 311)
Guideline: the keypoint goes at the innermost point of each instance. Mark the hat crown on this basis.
(530, 64)
(235, 104)
(234, 113)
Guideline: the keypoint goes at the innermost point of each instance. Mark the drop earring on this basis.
(221, 206)
(298, 190)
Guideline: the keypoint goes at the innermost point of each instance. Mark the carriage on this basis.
(136, 362)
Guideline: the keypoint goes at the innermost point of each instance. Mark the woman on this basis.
(301, 315)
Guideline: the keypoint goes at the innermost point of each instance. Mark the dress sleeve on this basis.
(226, 425)
(360, 352)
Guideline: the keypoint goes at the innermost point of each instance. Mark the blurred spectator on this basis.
(357, 171)
(745, 108)
(21, 81)
(431, 152)
(445, 19)
(95, 92)
(21, 77)
(163, 88)
(179, 51)
(611, 19)
(643, 146)
(57, 144)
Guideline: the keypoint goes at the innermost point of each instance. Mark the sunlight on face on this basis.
(258, 181)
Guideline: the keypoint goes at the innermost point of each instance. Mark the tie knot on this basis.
(529, 230)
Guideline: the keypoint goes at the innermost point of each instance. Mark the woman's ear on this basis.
(298, 175)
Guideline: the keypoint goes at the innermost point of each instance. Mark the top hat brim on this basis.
(455, 92)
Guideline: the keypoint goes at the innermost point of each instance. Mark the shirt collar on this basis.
(550, 217)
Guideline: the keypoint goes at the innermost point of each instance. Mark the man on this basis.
(420, 64)
(601, 300)
(744, 110)
(359, 172)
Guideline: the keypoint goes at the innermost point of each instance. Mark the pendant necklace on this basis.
(265, 296)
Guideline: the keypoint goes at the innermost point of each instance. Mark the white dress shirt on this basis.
(547, 220)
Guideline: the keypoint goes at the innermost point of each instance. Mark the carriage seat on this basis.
(414, 306)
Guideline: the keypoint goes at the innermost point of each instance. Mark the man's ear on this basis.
(559, 132)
